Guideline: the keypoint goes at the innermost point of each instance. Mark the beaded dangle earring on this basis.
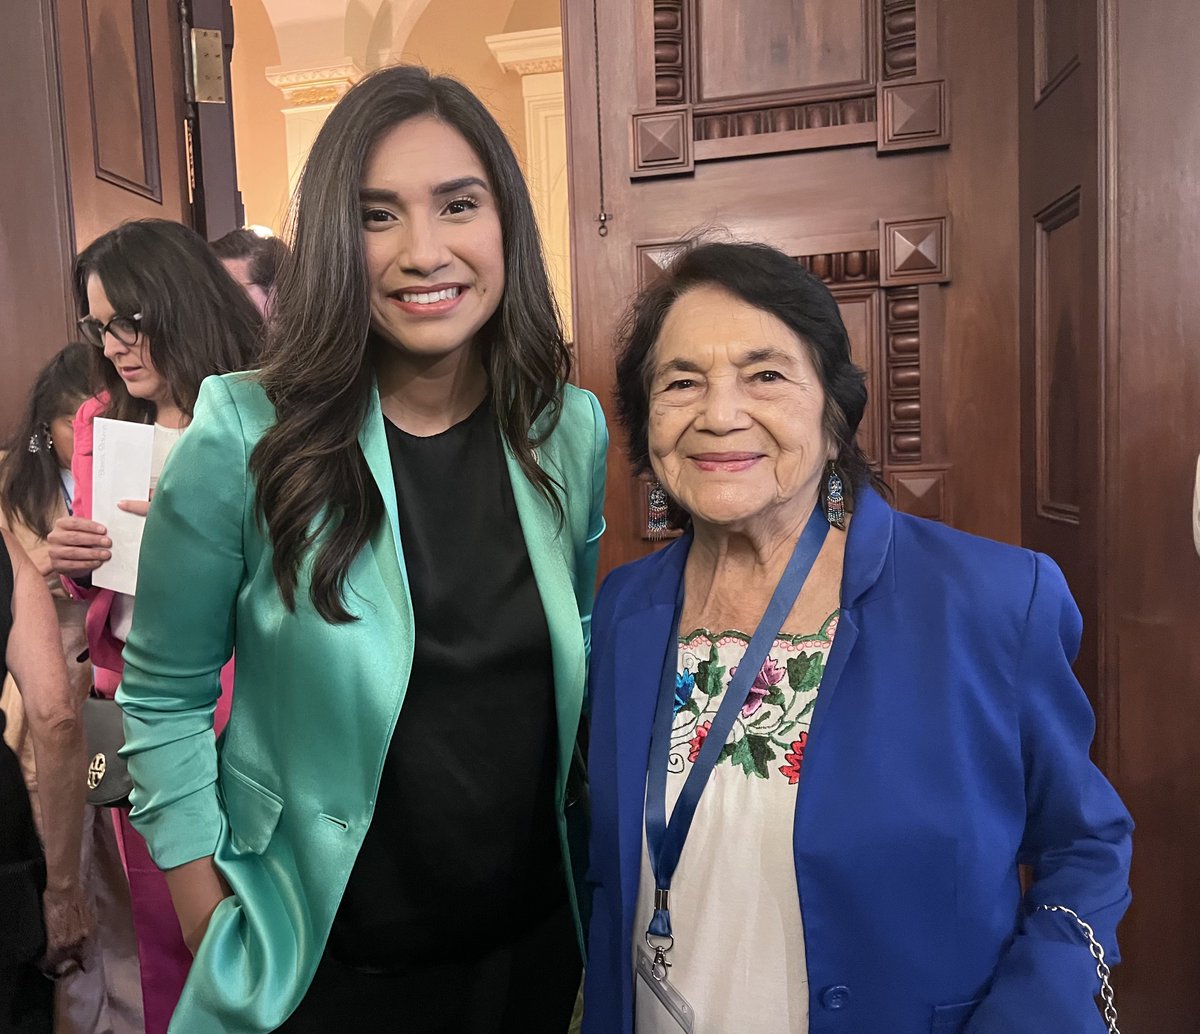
(835, 503)
(41, 440)
(656, 518)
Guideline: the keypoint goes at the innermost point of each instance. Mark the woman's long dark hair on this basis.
(30, 484)
(196, 318)
(312, 479)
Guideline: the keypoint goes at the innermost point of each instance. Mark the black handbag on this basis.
(108, 781)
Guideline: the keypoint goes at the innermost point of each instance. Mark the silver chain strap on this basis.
(1102, 970)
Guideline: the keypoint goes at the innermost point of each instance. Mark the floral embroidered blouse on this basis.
(735, 909)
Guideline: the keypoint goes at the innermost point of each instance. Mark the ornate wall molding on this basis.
(843, 268)
(899, 43)
(922, 491)
(306, 87)
(528, 53)
(902, 410)
(670, 84)
(662, 141)
(848, 111)
(913, 115)
(889, 107)
(914, 251)
(311, 94)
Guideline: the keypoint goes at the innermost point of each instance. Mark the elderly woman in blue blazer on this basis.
(826, 735)
(393, 527)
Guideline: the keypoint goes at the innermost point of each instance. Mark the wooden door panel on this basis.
(821, 128)
(1061, 448)
(121, 90)
(747, 48)
(122, 82)
(1062, 415)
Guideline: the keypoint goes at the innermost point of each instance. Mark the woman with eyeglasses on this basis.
(163, 314)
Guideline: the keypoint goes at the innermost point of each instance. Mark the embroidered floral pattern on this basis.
(685, 684)
(772, 725)
(795, 758)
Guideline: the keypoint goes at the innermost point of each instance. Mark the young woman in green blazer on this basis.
(393, 525)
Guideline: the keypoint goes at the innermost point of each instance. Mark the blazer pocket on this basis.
(252, 809)
(952, 1019)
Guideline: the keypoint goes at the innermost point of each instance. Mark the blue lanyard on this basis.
(664, 839)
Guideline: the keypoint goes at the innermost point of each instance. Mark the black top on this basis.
(463, 848)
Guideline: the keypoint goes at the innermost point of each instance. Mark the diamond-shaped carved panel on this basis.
(914, 251)
(913, 115)
(922, 492)
(655, 256)
(662, 142)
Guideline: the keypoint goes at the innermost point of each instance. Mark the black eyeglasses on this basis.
(123, 328)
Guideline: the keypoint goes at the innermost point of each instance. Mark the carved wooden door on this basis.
(1063, 419)
(134, 125)
(121, 69)
(823, 128)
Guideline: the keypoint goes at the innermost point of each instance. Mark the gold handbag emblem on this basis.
(96, 771)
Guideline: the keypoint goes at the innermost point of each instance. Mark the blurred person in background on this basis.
(36, 488)
(253, 260)
(46, 919)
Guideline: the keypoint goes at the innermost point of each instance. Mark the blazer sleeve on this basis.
(589, 555)
(190, 570)
(1077, 837)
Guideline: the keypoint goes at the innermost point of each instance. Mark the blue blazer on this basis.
(949, 744)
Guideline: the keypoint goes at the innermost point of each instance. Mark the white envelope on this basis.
(121, 460)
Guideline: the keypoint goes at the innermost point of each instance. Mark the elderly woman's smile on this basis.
(736, 429)
(726, 461)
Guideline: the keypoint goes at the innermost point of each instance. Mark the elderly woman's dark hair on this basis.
(314, 488)
(771, 281)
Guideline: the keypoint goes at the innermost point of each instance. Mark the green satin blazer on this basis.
(284, 800)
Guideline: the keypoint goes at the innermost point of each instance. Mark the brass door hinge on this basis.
(208, 66)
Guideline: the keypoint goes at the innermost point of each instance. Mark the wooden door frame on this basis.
(216, 203)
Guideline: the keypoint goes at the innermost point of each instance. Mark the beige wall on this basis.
(257, 117)
(534, 14)
(437, 40)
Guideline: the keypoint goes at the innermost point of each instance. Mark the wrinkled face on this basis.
(239, 269)
(432, 240)
(736, 431)
(132, 362)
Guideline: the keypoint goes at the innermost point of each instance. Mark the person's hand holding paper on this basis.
(121, 461)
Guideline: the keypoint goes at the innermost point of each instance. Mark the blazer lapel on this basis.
(868, 547)
(372, 439)
(552, 561)
(866, 573)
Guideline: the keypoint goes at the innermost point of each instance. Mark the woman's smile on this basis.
(726, 462)
(436, 300)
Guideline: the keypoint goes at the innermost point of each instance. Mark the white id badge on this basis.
(658, 1007)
